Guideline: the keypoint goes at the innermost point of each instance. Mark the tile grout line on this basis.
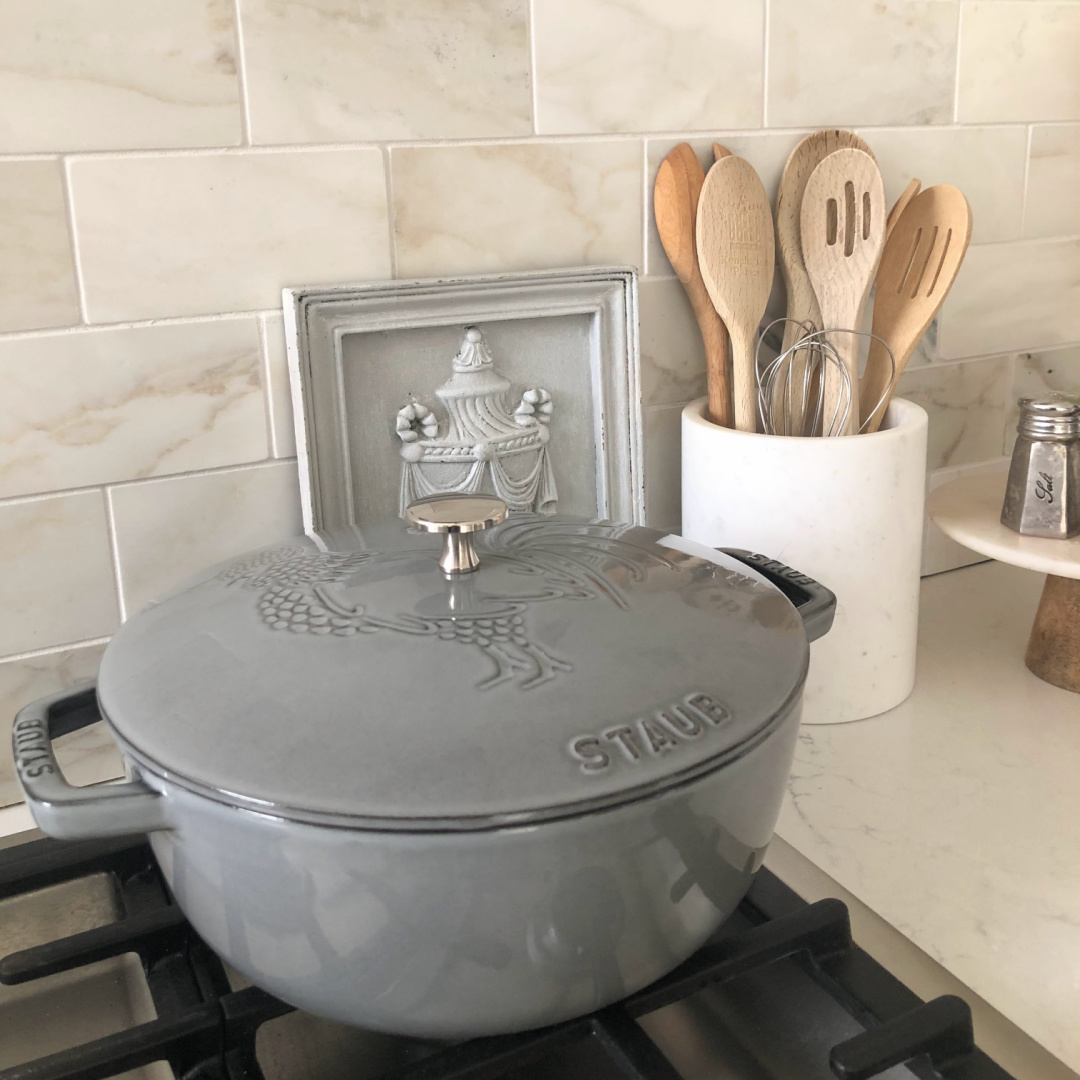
(391, 217)
(538, 139)
(1027, 176)
(534, 91)
(241, 77)
(765, 66)
(135, 324)
(52, 650)
(143, 481)
(73, 236)
(956, 76)
(114, 553)
(268, 394)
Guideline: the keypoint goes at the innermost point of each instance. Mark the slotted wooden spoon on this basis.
(675, 201)
(802, 304)
(919, 265)
(842, 229)
(736, 252)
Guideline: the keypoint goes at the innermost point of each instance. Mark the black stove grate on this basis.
(206, 1031)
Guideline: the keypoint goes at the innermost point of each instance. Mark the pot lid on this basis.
(349, 678)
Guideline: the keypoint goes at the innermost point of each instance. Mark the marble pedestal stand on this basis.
(969, 511)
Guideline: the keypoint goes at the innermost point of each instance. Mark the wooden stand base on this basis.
(1053, 651)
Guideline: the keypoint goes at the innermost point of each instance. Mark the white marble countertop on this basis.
(956, 816)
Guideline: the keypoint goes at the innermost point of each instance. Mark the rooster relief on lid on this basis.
(482, 445)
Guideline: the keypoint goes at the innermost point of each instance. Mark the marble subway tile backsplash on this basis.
(98, 406)
(635, 65)
(966, 404)
(851, 62)
(1018, 61)
(166, 170)
(672, 353)
(470, 209)
(57, 581)
(323, 71)
(663, 467)
(1053, 208)
(37, 272)
(193, 235)
(1013, 296)
(282, 430)
(121, 75)
(168, 530)
(986, 163)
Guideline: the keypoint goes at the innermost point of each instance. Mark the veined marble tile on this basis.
(277, 384)
(88, 756)
(941, 552)
(635, 65)
(37, 273)
(766, 151)
(324, 71)
(97, 406)
(1039, 373)
(202, 234)
(966, 404)
(985, 163)
(663, 467)
(121, 75)
(672, 352)
(467, 209)
(852, 62)
(56, 584)
(167, 530)
(1018, 61)
(1052, 207)
(1012, 297)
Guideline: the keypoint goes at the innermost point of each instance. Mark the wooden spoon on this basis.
(719, 152)
(918, 267)
(842, 227)
(736, 252)
(906, 196)
(675, 201)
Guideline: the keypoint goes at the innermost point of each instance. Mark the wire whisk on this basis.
(807, 389)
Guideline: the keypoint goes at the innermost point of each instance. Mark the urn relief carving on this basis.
(487, 442)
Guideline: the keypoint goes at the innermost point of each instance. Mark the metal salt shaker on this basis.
(1042, 497)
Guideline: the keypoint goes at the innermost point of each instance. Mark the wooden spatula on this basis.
(919, 265)
(900, 205)
(719, 152)
(736, 252)
(842, 229)
(675, 201)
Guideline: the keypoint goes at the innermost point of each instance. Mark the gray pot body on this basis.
(458, 934)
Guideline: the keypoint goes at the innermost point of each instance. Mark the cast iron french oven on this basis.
(419, 794)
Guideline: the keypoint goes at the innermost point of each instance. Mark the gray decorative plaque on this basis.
(523, 385)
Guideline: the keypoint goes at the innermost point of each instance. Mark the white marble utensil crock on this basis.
(847, 511)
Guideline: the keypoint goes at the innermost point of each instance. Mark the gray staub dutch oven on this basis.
(419, 793)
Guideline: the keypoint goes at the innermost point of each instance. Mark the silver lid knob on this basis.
(457, 517)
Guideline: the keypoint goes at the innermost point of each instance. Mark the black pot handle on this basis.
(815, 603)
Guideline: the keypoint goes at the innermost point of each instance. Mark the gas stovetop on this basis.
(103, 976)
